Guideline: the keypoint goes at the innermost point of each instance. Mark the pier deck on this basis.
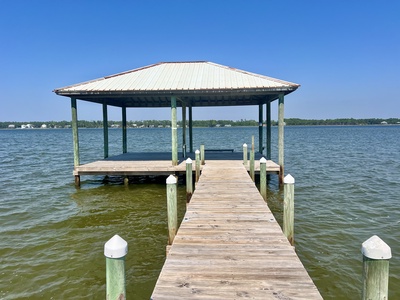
(229, 245)
(157, 163)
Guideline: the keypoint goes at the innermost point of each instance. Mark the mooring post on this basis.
(197, 165)
(245, 154)
(189, 180)
(115, 251)
(172, 203)
(202, 155)
(126, 180)
(263, 177)
(252, 175)
(376, 255)
(288, 208)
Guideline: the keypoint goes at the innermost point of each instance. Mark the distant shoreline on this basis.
(199, 123)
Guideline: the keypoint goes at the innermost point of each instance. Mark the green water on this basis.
(53, 235)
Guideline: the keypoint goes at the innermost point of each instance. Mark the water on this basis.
(52, 235)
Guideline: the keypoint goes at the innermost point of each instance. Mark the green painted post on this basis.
(115, 251)
(105, 129)
(245, 154)
(268, 112)
(252, 175)
(263, 177)
(189, 180)
(174, 132)
(202, 155)
(281, 125)
(74, 112)
(184, 129)
(260, 128)
(376, 255)
(197, 165)
(172, 199)
(124, 132)
(191, 129)
(288, 208)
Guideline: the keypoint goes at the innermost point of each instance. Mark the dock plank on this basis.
(229, 245)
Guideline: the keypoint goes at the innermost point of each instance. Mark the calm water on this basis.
(52, 235)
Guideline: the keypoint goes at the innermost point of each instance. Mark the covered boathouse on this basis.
(176, 84)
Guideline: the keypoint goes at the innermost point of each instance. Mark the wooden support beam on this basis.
(281, 126)
(174, 132)
(260, 128)
(268, 113)
(184, 129)
(288, 208)
(74, 112)
(105, 129)
(124, 131)
(172, 202)
(191, 128)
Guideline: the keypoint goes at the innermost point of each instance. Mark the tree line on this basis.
(200, 123)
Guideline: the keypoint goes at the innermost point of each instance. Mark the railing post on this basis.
(245, 154)
(288, 208)
(263, 177)
(252, 175)
(376, 255)
(202, 155)
(189, 180)
(197, 152)
(172, 203)
(115, 251)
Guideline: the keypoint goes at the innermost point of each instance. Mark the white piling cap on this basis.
(288, 179)
(197, 151)
(188, 161)
(375, 248)
(171, 179)
(263, 160)
(116, 247)
(244, 145)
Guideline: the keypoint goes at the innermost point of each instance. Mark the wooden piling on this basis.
(172, 202)
(197, 152)
(252, 173)
(202, 155)
(245, 154)
(376, 255)
(288, 208)
(189, 180)
(281, 126)
(263, 178)
(74, 113)
(115, 251)
(174, 132)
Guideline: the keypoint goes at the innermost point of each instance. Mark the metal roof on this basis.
(196, 83)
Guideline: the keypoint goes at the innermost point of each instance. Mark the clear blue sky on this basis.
(345, 54)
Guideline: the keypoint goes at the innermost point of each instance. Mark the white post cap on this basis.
(244, 145)
(188, 161)
(171, 179)
(263, 160)
(375, 248)
(288, 179)
(116, 247)
(197, 151)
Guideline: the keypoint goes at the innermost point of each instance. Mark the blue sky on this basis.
(345, 54)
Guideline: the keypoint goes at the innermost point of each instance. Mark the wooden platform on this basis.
(229, 245)
(157, 163)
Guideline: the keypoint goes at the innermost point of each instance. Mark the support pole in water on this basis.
(252, 175)
(288, 208)
(376, 255)
(197, 165)
(202, 155)
(172, 203)
(115, 251)
(245, 154)
(174, 132)
(189, 180)
(263, 177)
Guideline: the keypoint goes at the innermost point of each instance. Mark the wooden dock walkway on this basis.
(229, 245)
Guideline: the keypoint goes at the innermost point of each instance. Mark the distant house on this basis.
(384, 123)
(44, 126)
(11, 126)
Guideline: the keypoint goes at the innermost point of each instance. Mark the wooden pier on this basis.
(229, 245)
